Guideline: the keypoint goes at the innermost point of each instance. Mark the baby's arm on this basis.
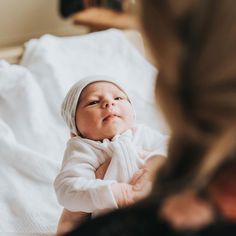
(76, 186)
(69, 220)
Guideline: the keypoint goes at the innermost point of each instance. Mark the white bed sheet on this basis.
(32, 133)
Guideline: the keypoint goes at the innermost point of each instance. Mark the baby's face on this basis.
(103, 111)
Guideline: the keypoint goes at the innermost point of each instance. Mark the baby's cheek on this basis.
(130, 121)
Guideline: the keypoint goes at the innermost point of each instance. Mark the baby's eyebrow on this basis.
(91, 97)
(88, 97)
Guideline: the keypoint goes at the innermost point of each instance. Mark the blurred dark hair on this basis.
(194, 44)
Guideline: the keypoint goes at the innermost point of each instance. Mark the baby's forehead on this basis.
(95, 88)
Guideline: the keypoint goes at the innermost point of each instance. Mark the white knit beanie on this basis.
(69, 105)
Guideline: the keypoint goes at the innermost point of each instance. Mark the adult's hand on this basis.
(141, 184)
(143, 178)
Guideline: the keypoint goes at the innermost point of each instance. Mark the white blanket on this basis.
(32, 133)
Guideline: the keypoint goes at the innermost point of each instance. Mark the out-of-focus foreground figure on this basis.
(193, 43)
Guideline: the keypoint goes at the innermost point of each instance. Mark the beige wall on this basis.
(21, 20)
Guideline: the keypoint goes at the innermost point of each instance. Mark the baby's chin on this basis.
(109, 133)
(112, 132)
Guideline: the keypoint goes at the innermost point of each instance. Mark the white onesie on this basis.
(76, 186)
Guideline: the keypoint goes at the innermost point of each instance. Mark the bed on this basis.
(33, 81)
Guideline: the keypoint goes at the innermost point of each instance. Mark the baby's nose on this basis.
(108, 103)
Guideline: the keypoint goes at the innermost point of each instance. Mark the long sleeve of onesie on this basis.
(76, 186)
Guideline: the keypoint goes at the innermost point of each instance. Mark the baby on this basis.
(101, 119)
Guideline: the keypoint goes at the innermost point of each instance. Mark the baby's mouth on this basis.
(110, 116)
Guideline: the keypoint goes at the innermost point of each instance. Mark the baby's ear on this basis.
(72, 135)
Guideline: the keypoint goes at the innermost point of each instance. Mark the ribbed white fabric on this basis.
(69, 105)
(76, 186)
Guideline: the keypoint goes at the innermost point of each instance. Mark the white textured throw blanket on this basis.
(32, 133)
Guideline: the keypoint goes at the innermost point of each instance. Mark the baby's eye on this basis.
(93, 102)
(118, 98)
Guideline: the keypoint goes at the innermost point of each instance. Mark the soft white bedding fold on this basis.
(32, 133)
